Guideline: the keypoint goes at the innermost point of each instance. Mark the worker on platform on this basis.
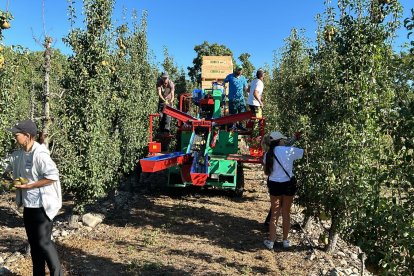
(165, 89)
(237, 88)
(254, 100)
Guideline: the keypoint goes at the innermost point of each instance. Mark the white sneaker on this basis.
(286, 243)
(269, 244)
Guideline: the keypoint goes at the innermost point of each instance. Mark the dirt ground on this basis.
(189, 232)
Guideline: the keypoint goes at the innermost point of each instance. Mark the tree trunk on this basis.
(307, 222)
(333, 236)
(32, 103)
(46, 120)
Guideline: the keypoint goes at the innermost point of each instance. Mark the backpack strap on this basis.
(281, 166)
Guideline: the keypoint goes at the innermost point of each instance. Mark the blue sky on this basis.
(256, 27)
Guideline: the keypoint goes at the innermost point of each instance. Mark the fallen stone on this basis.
(88, 229)
(331, 263)
(56, 233)
(91, 220)
(348, 271)
(13, 258)
(74, 221)
(340, 253)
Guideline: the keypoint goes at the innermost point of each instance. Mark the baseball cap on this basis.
(276, 135)
(25, 126)
(164, 75)
(238, 68)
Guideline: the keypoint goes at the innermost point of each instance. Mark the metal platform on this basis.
(245, 158)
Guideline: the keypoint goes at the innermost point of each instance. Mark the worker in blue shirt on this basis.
(237, 87)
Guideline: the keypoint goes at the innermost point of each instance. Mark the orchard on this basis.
(349, 93)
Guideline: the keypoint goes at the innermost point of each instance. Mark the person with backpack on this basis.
(281, 183)
(265, 145)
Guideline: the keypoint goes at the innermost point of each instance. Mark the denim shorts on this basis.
(281, 188)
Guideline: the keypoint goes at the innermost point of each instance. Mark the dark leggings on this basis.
(267, 221)
(42, 249)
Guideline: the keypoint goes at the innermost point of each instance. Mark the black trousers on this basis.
(267, 220)
(42, 249)
(165, 120)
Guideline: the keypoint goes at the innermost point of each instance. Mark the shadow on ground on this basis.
(220, 228)
(10, 219)
(77, 262)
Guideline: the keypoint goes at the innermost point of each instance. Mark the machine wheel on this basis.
(238, 192)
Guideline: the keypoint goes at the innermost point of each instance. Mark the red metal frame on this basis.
(183, 98)
(155, 165)
(199, 179)
(177, 114)
(245, 158)
(154, 147)
(185, 160)
(202, 123)
(208, 101)
(256, 150)
(151, 116)
(233, 118)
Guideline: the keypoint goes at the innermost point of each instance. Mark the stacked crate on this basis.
(215, 68)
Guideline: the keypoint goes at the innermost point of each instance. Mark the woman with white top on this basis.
(41, 196)
(278, 165)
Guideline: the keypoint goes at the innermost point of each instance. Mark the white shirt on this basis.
(35, 165)
(31, 197)
(286, 156)
(258, 85)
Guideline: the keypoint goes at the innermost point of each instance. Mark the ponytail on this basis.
(269, 157)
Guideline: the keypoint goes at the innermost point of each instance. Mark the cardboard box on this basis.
(216, 67)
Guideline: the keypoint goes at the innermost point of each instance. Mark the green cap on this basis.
(238, 67)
